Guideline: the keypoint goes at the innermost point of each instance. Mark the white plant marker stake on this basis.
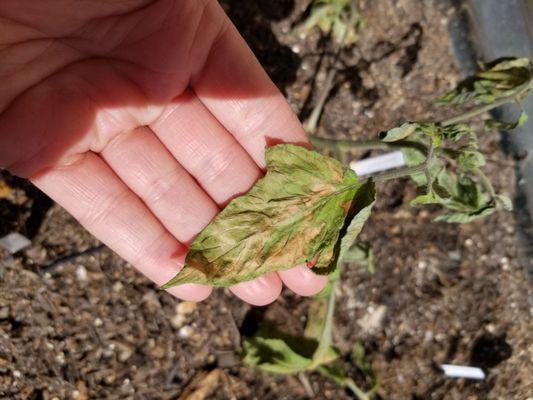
(379, 163)
(462, 371)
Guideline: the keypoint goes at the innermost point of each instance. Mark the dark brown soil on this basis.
(91, 327)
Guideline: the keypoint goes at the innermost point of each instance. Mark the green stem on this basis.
(427, 166)
(361, 395)
(347, 144)
(398, 173)
(312, 123)
(474, 112)
(485, 181)
(326, 336)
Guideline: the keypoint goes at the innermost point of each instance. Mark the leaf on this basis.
(465, 217)
(470, 159)
(400, 132)
(500, 78)
(361, 253)
(316, 316)
(505, 202)
(333, 17)
(272, 353)
(366, 197)
(292, 215)
(455, 132)
(508, 126)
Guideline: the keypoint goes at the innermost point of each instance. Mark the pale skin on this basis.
(142, 118)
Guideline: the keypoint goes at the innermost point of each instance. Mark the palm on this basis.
(142, 119)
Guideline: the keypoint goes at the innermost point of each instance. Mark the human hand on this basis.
(142, 118)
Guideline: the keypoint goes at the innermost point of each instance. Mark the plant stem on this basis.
(485, 181)
(474, 112)
(312, 123)
(347, 144)
(427, 166)
(326, 336)
(350, 384)
(398, 173)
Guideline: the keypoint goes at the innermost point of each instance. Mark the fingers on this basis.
(219, 164)
(146, 166)
(303, 281)
(205, 148)
(174, 197)
(94, 195)
(237, 91)
(260, 291)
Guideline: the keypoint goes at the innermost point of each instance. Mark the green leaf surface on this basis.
(292, 215)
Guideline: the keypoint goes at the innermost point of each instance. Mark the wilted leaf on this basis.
(470, 159)
(400, 132)
(292, 215)
(274, 354)
(334, 17)
(505, 202)
(455, 132)
(358, 215)
(363, 254)
(508, 126)
(465, 217)
(500, 78)
(275, 351)
(316, 316)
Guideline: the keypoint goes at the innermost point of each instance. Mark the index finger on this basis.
(238, 92)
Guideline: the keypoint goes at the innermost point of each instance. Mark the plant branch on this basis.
(350, 384)
(326, 336)
(474, 112)
(398, 173)
(427, 166)
(312, 123)
(485, 182)
(347, 144)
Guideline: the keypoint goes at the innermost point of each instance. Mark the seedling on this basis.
(311, 208)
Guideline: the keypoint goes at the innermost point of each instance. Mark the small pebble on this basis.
(4, 312)
(17, 374)
(14, 242)
(373, 319)
(226, 359)
(60, 358)
(296, 49)
(98, 322)
(81, 273)
(185, 332)
(183, 310)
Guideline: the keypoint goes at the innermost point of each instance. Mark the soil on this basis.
(77, 322)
